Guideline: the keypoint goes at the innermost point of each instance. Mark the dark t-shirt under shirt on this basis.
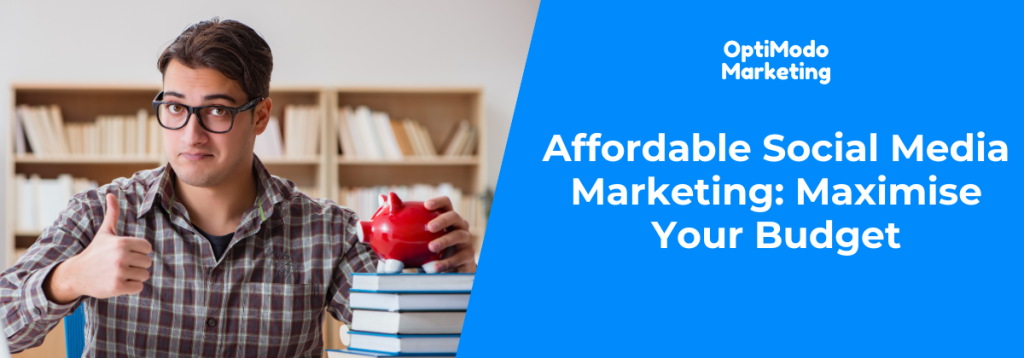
(219, 243)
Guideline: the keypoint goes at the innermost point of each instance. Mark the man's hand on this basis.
(457, 238)
(110, 266)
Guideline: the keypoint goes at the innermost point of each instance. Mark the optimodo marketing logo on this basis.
(770, 49)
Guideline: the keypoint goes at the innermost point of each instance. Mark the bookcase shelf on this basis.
(437, 109)
(86, 159)
(440, 161)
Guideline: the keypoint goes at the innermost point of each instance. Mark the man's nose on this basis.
(193, 132)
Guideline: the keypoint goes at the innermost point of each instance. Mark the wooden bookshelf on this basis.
(438, 109)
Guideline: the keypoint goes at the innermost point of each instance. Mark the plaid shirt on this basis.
(290, 258)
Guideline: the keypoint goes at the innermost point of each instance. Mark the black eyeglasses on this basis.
(216, 119)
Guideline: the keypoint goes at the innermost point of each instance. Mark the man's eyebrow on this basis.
(208, 97)
(220, 96)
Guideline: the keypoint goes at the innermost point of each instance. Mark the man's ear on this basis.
(262, 116)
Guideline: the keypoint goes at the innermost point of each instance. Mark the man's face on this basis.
(198, 157)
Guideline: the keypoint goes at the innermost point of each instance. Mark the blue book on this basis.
(438, 344)
(413, 282)
(391, 301)
(409, 322)
(345, 353)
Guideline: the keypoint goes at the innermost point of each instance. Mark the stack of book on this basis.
(40, 201)
(374, 135)
(406, 314)
(301, 136)
(41, 130)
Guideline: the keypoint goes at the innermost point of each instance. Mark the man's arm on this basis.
(26, 312)
(72, 258)
(355, 256)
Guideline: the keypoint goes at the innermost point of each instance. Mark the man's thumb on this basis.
(110, 218)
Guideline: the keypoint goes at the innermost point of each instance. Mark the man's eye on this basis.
(175, 108)
(218, 111)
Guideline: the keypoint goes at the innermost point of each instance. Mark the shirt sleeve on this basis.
(353, 256)
(27, 314)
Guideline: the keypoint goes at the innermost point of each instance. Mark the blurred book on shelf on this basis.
(300, 138)
(40, 201)
(373, 135)
(42, 132)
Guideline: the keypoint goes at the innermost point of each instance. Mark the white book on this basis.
(66, 184)
(407, 301)
(92, 139)
(414, 137)
(20, 147)
(408, 322)
(313, 130)
(471, 143)
(154, 134)
(291, 122)
(412, 282)
(302, 132)
(42, 119)
(69, 133)
(456, 139)
(129, 135)
(58, 128)
(358, 142)
(277, 146)
(141, 119)
(101, 135)
(110, 137)
(267, 143)
(387, 136)
(75, 138)
(425, 137)
(348, 150)
(289, 130)
(25, 215)
(32, 130)
(345, 353)
(404, 343)
(369, 133)
(119, 137)
(47, 192)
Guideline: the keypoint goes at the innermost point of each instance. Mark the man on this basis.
(209, 255)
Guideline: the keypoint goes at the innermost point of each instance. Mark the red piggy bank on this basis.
(398, 233)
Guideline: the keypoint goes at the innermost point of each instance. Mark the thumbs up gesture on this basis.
(110, 266)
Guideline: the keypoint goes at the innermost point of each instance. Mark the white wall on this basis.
(379, 43)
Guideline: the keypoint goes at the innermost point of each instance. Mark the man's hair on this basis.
(228, 46)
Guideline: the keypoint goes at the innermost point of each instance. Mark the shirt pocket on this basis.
(281, 316)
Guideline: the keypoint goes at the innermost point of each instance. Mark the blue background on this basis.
(559, 280)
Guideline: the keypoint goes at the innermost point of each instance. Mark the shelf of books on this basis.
(418, 142)
(71, 138)
(346, 144)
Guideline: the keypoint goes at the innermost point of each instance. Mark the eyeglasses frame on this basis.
(157, 101)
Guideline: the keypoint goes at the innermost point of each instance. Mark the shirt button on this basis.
(211, 322)
(38, 311)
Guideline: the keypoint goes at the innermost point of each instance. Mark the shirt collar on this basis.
(160, 187)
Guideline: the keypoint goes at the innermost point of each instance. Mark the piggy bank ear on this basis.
(381, 200)
(394, 203)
